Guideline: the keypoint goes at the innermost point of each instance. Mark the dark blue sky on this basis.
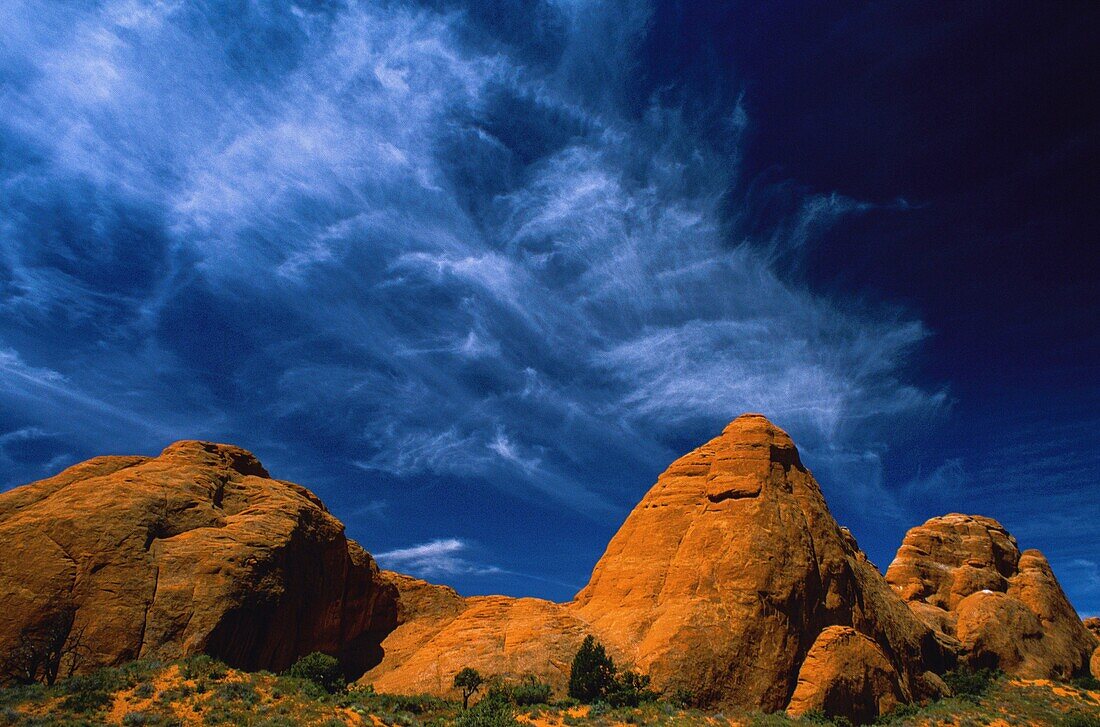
(476, 273)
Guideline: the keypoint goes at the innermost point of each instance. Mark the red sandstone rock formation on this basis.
(196, 550)
(965, 577)
(725, 580)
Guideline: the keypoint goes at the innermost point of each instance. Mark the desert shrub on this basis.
(592, 674)
(1080, 719)
(527, 692)
(899, 713)
(599, 709)
(143, 719)
(22, 693)
(288, 686)
(1086, 682)
(489, 712)
(412, 703)
(276, 721)
(236, 692)
(321, 669)
(144, 690)
(630, 689)
(87, 701)
(176, 693)
(202, 666)
(969, 683)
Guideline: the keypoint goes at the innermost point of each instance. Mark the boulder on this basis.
(965, 577)
(845, 672)
(1093, 625)
(195, 550)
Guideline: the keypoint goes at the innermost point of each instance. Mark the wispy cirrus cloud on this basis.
(426, 246)
(443, 558)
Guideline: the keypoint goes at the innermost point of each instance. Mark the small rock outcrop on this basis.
(195, 550)
(1093, 625)
(965, 577)
(845, 672)
(440, 632)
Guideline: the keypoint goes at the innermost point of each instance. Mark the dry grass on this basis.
(201, 692)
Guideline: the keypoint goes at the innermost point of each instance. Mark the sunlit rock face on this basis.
(965, 577)
(195, 550)
(730, 579)
(730, 569)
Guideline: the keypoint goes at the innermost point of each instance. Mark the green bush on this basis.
(286, 686)
(1080, 719)
(527, 692)
(489, 712)
(87, 701)
(144, 690)
(630, 690)
(592, 675)
(142, 719)
(899, 713)
(202, 666)
(969, 683)
(236, 692)
(321, 669)
(1088, 682)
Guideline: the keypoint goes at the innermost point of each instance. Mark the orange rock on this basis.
(845, 672)
(1093, 625)
(197, 549)
(440, 632)
(720, 582)
(724, 576)
(965, 577)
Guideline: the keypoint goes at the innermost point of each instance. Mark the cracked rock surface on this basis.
(997, 607)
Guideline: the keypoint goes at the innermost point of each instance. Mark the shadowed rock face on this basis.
(995, 606)
(723, 579)
(195, 550)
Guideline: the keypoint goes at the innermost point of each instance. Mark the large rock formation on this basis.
(730, 579)
(731, 569)
(966, 578)
(197, 549)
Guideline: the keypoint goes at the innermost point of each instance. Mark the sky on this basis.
(477, 272)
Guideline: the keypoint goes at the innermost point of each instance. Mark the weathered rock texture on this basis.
(1093, 625)
(730, 579)
(966, 578)
(846, 673)
(440, 632)
(730, 570)
(195, 550)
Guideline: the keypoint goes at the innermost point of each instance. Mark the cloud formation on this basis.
(430, 247)
(436, 559)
